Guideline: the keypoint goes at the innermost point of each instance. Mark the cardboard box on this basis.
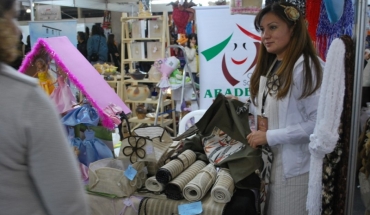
(155, 28)
(137, 50)
(138, 29)
(154, 50)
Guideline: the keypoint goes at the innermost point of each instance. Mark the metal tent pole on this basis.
(356, 103)
(32, 11)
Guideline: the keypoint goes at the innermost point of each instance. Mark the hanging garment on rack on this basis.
(327, 31)
(335, 167)
(76, 143)
(63, 97)
(93, 149)
(84, 114)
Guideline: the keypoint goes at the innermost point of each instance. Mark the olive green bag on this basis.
(223, 130)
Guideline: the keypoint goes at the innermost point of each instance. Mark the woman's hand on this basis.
(257, 138)
(232, 97)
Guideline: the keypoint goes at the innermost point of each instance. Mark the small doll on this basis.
(45, 79)
(62, 95)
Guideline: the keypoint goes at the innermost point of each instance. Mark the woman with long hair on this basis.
(284, 91)
(97, 46)
(191, 50)
(38, 171)
(113, 54)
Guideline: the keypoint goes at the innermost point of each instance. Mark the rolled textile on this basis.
(174, 189)
(150, 206)
(153, 185)
(224, 187)
(173, 168)
(198, 187)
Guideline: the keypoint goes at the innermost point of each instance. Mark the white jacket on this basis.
(192, 59)
(297, 119)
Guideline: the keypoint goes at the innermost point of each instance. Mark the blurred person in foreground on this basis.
(38, 170)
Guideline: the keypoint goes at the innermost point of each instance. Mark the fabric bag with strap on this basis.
(228, 119)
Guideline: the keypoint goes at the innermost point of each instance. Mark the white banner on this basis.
(228, 46)
(48, 12)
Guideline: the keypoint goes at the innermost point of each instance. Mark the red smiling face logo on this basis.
(237, 60)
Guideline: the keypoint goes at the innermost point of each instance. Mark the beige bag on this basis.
(107, 176)
(164, 147)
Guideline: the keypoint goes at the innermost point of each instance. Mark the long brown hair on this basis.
(9, 40)
(300, 44)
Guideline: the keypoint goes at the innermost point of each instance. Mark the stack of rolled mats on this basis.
(186, 177)
(176, 166)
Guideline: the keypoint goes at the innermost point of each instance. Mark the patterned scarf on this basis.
(336, 163)
(327, 32)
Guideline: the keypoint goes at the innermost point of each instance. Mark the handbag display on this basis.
(227, 121)
(160, 147)
(107, 176)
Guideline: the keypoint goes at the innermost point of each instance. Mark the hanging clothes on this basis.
(327, 31)
(335, 165)
(93, 149)
(63, 97)
(76, 143)
(84, 114)
(312, 17)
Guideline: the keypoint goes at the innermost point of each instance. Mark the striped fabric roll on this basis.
(150, 206)
(224, 187)
(153, 185)
(173, 168)
(198, 187)
(174, 189)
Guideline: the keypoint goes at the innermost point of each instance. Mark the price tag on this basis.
(190, 209)
(149, 149)
(130, 172)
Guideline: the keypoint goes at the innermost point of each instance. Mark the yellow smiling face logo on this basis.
(214, 51)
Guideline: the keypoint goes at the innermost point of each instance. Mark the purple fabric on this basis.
(81, 73)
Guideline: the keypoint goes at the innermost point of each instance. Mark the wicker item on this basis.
(174, 189)
(107, 176)
(224, 187)
(153, 185)
(162, 143)
(198, 187)
(173, 168)
(155, 206)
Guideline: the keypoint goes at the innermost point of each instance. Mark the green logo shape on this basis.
(212, 52)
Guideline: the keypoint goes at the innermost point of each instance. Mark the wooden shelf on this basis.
(149, 101)
(134, 39)
(141, 60)
(163, 40)
(147, 120)
(140, 17)
(145, 80)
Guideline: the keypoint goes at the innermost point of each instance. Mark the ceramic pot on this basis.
(138, 92)
(141, 111)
